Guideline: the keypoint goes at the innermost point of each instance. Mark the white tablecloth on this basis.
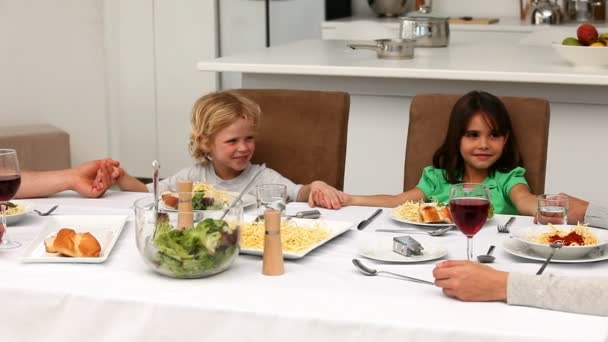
(322, 297)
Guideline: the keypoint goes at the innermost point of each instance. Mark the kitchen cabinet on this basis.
(242, 26)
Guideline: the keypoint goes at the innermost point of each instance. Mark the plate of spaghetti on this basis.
(578, 240)
(17, 210)
(298, 236)
(422, 214)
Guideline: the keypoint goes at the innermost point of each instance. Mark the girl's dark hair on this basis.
(495, 114)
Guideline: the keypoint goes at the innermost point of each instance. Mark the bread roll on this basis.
(445, 214)
(69, 243)
(170, 199)
(429, 214)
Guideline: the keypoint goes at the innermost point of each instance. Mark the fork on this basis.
(49, 212)
(504, 228)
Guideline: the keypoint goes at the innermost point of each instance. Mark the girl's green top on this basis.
(434, 184)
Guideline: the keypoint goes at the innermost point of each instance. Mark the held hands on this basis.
(93, 178)
(470, 281)
(326, 196)
(577, 208)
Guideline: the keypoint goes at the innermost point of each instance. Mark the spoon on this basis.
(436, 232)
(487, 258)
(554, 246)
(372, 272)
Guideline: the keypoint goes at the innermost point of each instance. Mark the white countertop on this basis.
(505, 24)
(462, 60)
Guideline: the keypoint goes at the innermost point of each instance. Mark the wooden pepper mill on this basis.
(185, 218)
(273, 250)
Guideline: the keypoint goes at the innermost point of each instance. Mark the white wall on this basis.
(119, 76)
(52, 70)
(477, 8)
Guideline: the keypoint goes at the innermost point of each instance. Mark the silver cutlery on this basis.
(488, 257)
(306, 214)
(369, 220)
(504, 228)
(373, 272)
(436, 232)
(48, 212)
(554, 248)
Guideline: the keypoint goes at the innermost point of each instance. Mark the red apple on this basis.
(586, 34)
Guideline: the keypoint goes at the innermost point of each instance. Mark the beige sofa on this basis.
(39, 147)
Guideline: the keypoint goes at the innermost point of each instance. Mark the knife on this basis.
(369, 220)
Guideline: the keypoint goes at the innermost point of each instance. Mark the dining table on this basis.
(320, 297)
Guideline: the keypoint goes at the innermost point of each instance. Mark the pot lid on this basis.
(420, 14)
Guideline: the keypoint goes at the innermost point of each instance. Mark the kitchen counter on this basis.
(460, 61)
(381, 92)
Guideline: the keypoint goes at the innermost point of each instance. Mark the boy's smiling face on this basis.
(232, 148)
(481, 146)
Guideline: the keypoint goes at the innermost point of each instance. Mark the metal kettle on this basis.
(546, 12)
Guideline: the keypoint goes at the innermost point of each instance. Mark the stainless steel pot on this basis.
(388, 8)
(389, 48)
(428, 31)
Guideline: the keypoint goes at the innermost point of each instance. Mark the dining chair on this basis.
(428, 123)
(302, 133)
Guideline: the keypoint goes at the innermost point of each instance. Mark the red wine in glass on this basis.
(469, 214)
(9, 186)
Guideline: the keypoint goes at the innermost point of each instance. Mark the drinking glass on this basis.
(469, 205)
(10, 179)
(271, 196)
(552, 208)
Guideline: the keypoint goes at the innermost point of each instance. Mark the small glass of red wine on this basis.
(469, 206)
(10, 179)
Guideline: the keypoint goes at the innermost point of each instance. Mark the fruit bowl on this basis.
(583, 56)
(208, 247)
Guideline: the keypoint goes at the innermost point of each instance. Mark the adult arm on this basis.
(90, 179)
(595, 216)
(581, 295)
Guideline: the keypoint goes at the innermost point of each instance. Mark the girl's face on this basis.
(480, 146)
(232, 148)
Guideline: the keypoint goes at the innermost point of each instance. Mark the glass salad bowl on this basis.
(209, 247)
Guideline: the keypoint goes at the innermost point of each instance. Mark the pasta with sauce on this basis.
(579, 235)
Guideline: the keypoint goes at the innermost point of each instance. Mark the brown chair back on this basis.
(302, 133)
(429, 116)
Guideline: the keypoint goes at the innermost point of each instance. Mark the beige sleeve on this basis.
(587, 295)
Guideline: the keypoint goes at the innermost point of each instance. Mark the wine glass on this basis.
(469, 205)
(10, 179)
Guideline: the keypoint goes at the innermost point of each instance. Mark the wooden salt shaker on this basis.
(185, 218)
(273, 251)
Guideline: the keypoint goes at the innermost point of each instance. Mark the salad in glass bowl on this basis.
(208, 247)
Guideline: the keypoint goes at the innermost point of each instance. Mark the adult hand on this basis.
(470, 281)
(324, 195)
(93, 178)
(576, 209)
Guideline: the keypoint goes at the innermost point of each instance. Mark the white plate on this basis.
(247, 200)
(396, 217)
(105, 228)
(523, 234)
(381, 248)
(12, 219)
(517, 248)
(335, 228)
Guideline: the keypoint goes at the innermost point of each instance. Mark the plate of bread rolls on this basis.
(423, 214)
(76, 239)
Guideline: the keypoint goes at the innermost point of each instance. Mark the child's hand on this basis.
(326, 196)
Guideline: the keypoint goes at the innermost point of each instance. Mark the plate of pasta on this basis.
(17, 209)
(578, 240)
(205, 197)
(298, 236)
(422, 214)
